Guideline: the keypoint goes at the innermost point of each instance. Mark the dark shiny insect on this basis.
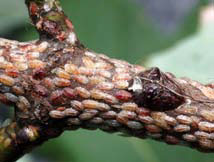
(155, 90)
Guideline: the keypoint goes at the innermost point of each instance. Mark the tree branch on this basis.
(57, 84)
(50, 21)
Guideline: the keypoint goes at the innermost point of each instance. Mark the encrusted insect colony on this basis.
(57, 84)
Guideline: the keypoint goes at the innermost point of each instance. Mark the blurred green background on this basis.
(152, 33)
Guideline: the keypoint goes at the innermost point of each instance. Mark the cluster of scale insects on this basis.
(78, 87)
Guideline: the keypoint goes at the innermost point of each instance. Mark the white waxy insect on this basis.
(82, 79)
(121, 84)
(88, 114)
(146, 119)
(99, 95)
(90, 54)
(82, 92)
(121, 70)
(33, 55)
(47, 7)
(71, 68)
(206, 126)
(159, 120)
(23, 104)
(103, 73)
(88, 62)
(103, 65)
(17, 58)
(121, 76)
(182, 128)
(183, 119)
(72, 38)
(11, 97)
(34, 64)
(61, 82)
(91, 104)
(105, 86)
(206, 143)
(85, 71)
(21, 66)
(129, 106)
(187, 109)
(42, 46)
(124, 116)
(57, 114)
(62, 74)
(189, 137)
(170, 120)
(1, 51)
(137, 85)
(77, 105)
(2, 59)
(208, 115)
(201, 134)
(108, 115)
(6, 65)
(4, 79)
(127, 114)
(94, 80)
(71, 112)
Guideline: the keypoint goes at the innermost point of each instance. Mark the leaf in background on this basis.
(145, 150)
(192, 57)
(95, 146)
(12, 15)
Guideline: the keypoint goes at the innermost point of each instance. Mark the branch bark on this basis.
(57, 84)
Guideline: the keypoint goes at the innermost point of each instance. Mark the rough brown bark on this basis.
(57, 84)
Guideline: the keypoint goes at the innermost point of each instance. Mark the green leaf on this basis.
(192, 57)
(96, 146)
(11, 14)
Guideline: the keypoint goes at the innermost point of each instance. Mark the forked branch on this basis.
(57, 84)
